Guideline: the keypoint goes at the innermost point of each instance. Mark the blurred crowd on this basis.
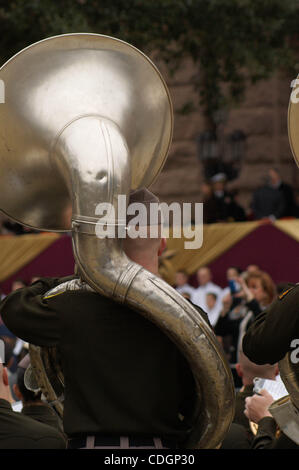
(27, 420)
(231, 310)
(273, 199)
(10, 227)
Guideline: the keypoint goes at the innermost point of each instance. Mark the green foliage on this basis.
(231, 41)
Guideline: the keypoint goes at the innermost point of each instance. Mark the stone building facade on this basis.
(262, 117)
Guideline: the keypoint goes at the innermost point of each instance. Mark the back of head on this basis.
(248, 370)
(148, 241)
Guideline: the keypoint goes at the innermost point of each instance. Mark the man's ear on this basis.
(5, 377)
(239, 370)
(17, 392)
(162, 246)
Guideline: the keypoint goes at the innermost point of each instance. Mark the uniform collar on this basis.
(5, 404)
(36, 409)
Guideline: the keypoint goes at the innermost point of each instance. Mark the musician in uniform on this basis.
(126, 383)
(272, 334)
(18, 431)
(32, 403)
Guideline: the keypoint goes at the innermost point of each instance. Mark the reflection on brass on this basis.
(293, 122)
(87, 118)
(289, 372)
(253, 427)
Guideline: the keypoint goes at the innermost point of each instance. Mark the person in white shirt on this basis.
(212, 308)
(206, 286)
(181, 283)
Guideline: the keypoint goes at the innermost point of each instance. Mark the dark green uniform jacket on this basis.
(20, 432)
(240, 417)
(43, 413)
(266, 436)
(123, 376)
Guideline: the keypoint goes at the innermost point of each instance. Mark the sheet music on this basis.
(275, 387)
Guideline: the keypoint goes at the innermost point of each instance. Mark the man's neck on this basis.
(150, 265)
(5, 395)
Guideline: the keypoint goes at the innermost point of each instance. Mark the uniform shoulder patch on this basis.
(72, 285)
(281, 296)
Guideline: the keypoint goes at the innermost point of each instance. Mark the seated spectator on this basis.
(21, 432)
(181, 283)
(290, 209)
(206, 286)
(33, 406)
(268, 202)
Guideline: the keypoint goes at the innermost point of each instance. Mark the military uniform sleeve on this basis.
(29, 316)
(269, 338)
(266, 437)
(254, 307)
(266, 434)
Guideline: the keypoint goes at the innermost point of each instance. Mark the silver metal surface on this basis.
(293, 121)
(56, 82)
(88, 118)
(289, 372)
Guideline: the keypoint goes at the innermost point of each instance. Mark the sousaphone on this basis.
(289, 369)
(87, 118)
